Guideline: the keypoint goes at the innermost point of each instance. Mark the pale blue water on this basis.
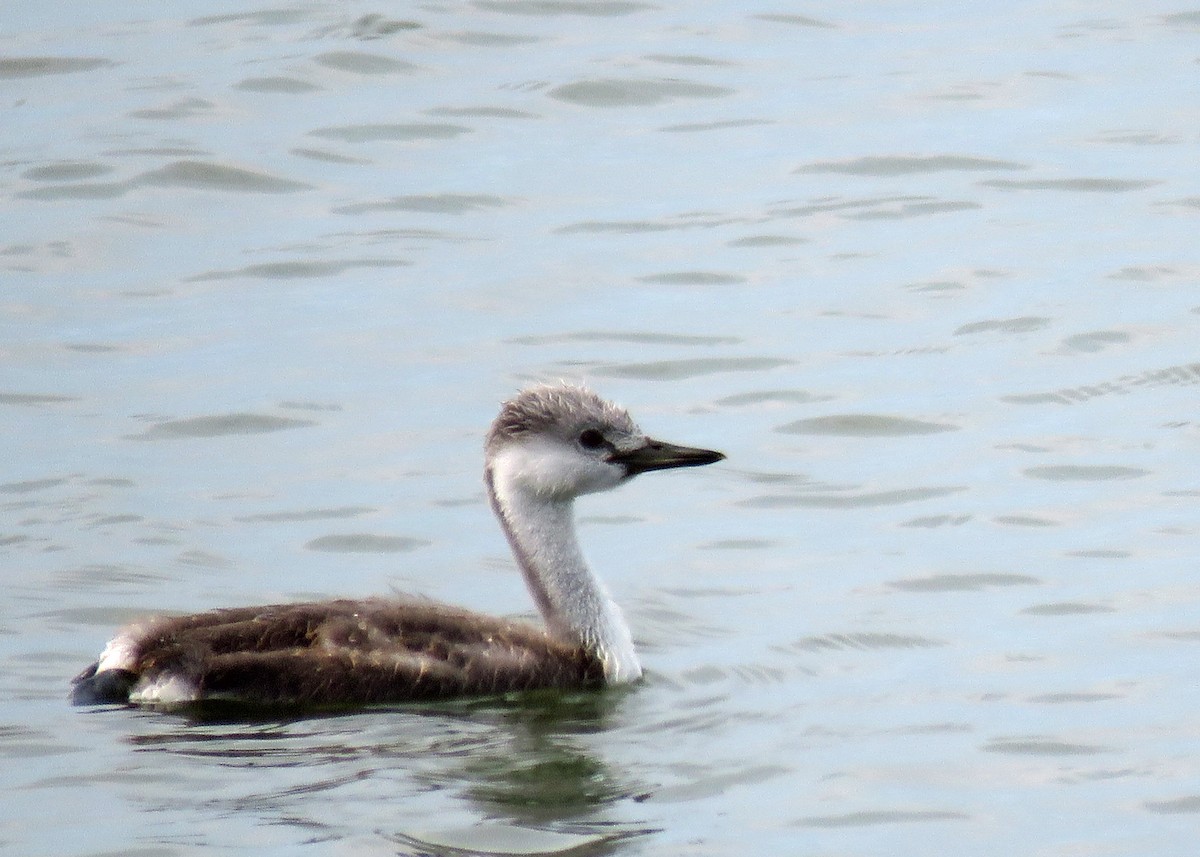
(927, 273)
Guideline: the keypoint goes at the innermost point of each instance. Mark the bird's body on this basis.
(548, 445)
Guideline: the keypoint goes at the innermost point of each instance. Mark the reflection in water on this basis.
(520, 758)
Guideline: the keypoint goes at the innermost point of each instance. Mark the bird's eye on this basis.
(591, 439)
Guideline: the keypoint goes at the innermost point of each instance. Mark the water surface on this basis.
(925, 272)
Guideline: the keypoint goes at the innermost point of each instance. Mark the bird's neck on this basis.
(575, 604)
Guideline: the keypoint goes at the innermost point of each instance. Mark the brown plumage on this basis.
(331, 652)
(549, 445)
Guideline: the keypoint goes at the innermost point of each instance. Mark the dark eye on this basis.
(591, 439)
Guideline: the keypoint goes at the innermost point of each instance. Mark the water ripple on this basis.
(849, 500)
(962, 582)
(899, 166)
(874, 817)
(863, 425)
(1074, 185)
(220, 425)
(400, 132)
(676, 370)
(365, 543)
(632, 92)
(13, 67)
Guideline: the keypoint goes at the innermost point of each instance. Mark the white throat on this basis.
(574, 603)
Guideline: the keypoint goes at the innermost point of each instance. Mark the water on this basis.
(925, 272)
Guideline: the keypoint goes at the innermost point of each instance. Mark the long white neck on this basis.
(575, 604)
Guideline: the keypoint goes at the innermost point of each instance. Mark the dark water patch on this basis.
(296, 270)
(500, 840)
(326, 156)
(306, 515)
(76, 190)
(1101, 553)
(775, 478)
(1145, 273)
(1137, 138)
(399, 132)
(632, 92)
(794, 20)
(1176, 806)
(869, 818)
(277, 85)
(488, 40)
(767, 241)
(1188, 20)
(736, 545)
(936, 286)
(92, 347)
(1026, 521)
(933, 521)
(1090, 343)
(204, 175)
(1075, 185)
(900, 165)
(962, 582)
(262, 18)
(1182, 636)
(849, 500)
(365, 543)
(830, 205)
(14, 67)
(687, 59)
(772, 397)
(1066, 608)
(1184, 376)
(441, 203)
(914, 209)
(1021, 324)
(34, 399)
(66, 171)
(1041, 747)
(863, 425)
(551, 8)
(482, 112)
(694, 127)
(693, 278)
(185, 108)
(633, 337)
(97, 576)
(636, 227)
(31, 486)
(1072, 698)
(359, 62)
(1085, 473)
(203, 559)
(865, 641)
(110, 520)
(676, 370)
(375, 26)
(934, 729)
(220, 425)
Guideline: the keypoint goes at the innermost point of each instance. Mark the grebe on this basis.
(548, 445)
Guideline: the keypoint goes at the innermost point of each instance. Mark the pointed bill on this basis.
(660, 455)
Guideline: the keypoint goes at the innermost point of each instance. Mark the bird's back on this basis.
(330, 653)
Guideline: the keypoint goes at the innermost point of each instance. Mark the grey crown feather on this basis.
(563, 408)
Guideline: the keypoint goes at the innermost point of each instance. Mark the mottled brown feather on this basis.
(376, 650)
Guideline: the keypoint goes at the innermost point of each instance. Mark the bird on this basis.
(549, 444)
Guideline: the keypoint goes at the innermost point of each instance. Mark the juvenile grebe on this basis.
(549, 444)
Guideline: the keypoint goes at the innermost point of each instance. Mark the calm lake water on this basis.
(926, 272)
